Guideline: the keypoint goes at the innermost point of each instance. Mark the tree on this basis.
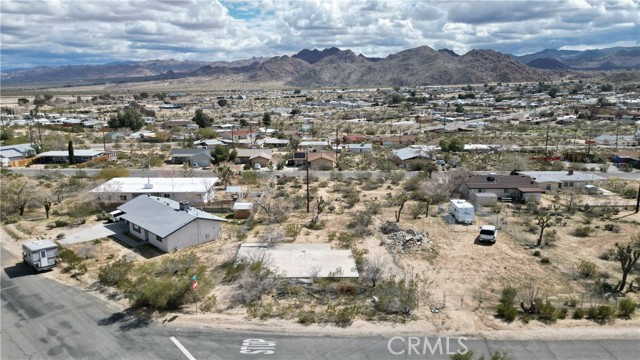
(72, 157)
(628, 256)
(402, 199)
(220, 153)
(553, 92)
(203, 120)
(430, 167)
(225, 174)
(223, 102)
(23, 101)
(144, 95)
(372, 270)
(233, 155)
(543, 221)
(130, 117)
(266, 119)
(459, 108)
(47, 206)
(18, 193)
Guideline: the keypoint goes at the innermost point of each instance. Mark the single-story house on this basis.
(195, 157)
(359, 148)
(395, 140)
(353, 139)
(209, 143)
(322, 160)
(242, 210)
(143, 134)
(518, 188)
(414, 152)
(557, 180)
(169, 225)
(301, 260)
(15, 152)
(196, 190)
(313, 144)
(274, 142)
(62, 156)
(254, 156)
(169, 124)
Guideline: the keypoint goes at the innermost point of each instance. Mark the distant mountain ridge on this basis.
(335, 67)
(616, 58)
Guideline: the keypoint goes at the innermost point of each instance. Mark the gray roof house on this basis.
(169, 225)
(359, 148)
(195, 157)
(557, 180)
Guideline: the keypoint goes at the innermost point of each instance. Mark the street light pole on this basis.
(307, 165)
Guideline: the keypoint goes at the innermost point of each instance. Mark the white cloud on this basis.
(59, 31)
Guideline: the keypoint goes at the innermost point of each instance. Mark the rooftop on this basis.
(561, 176)
(161, 216)
(138, 185)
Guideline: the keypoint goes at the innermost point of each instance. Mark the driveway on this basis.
(93, 232)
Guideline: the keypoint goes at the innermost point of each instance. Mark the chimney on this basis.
(184, 206)
(570, 172)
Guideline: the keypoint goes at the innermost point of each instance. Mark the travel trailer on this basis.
(462, 211)
(41, 254)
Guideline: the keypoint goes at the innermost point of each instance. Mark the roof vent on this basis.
(147, 186)
(491, 179)
(184, 206)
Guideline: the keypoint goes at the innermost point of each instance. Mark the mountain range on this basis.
(335, 67)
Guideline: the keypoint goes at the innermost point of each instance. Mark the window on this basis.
(166, 195)
(123, 197)
(548, 186)
(481, 190)
(571, 184)
(136, 228)
(158, 238)
(566, 184)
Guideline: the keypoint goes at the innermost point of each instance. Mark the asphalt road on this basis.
(42, 319)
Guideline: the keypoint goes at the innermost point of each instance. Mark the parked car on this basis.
(488, 233)
(257, 167)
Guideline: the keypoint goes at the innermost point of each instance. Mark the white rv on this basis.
(41, 254)
(462, 211)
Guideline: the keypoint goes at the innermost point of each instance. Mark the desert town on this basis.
(462, 209)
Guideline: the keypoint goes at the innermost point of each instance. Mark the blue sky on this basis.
(63, 32)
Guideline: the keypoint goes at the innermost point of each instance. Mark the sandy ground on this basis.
(465, 278)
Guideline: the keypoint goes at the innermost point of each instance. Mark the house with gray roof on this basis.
(195, 157)
(359, 148)
(169, 225)
(488, 189)
(558, 180)
(62, 156)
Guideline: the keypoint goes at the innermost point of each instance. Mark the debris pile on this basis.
(399, 240)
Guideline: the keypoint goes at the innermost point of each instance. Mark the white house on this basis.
(169, 225)
(116, 191)
(359, 148)
(557, 180)
(62, 156)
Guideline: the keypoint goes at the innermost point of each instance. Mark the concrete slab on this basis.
(302, 260)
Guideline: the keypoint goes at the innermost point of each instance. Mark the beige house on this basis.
(322, 161)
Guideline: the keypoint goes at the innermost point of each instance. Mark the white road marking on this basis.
(182, 348)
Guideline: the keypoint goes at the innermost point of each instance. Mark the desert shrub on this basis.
(346, 289)
(81, 209)
(601, 314)
(116, 273)
(506, 309)
(578, 314)
(343, 316)
(209, 303)
(459, 356)
(545, 260)
(587, 269)
(607, 255)
(109, 173)
(562, 313)
(346, 240)
(360, 222)
(166, 283)
(307, 317)
(389, 227)
(546, 311)
(231, 270)
(397, 296)
(571, 302)
(582, 231)
(12, 219)
(626, 308)
(255, 281)
(73, 260)
(537, 253)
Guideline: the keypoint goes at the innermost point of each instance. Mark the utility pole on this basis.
(546, 140)
(589, 143)
(336, 145)
(307, 166)
(617, 128)
(104, 140)
(638, 200)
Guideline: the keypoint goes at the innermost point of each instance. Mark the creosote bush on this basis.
(626, 308)
(506, 309)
